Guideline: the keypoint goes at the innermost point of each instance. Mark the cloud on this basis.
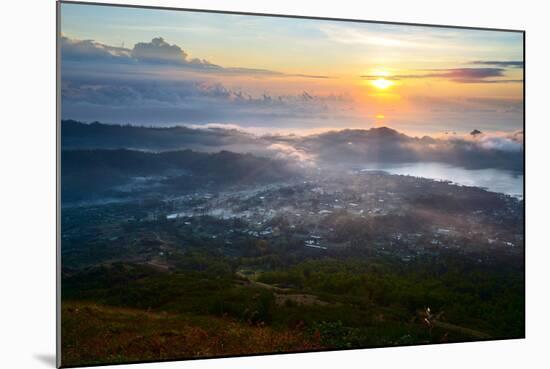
(385, 145)
(218, 126)
(466, 73)
(289, 152)
(157, 52)
(500, 63)
(158, 83)
(116, 98)
(379, 36)
(90, 50)
(204, 138)
(517, 136)
(160, 51)
(499, 144)
(460, 75)
(358, 147)
(496, 141)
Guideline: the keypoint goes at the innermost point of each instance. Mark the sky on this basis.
(272, 74)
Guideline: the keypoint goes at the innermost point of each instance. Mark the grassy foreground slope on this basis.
(94, 334)
(206, 306)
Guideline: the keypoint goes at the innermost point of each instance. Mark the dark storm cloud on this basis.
(460, 75)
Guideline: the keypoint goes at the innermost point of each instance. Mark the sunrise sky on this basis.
(270, 74)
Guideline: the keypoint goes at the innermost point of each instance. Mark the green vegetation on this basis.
(326, 302)
(98, 334)
(178, 259)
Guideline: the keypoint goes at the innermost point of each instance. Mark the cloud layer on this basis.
(156, 52)
(158, 82)
(500, 63)
(345, 147)
(460, 75)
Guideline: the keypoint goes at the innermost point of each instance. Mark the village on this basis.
(368, 213)
(314, 211)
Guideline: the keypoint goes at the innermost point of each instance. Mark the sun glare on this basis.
(381, 83)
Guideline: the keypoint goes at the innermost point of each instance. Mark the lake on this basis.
(495, 180)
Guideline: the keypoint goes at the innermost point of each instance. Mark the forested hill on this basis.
(92, 173)
(77, 135)
(348, 146)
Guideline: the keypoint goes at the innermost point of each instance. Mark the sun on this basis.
(380, 78)
(382, 83)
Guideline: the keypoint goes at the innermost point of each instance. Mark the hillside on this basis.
(88, 174)
(78, 135)
(122, 335)
(340, 147)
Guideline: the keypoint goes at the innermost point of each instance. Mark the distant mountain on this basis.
(386, 145)
(88, 174)
(354, 145)
(77, 135)
(345, 147)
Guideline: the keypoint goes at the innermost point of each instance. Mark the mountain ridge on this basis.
(347, 146)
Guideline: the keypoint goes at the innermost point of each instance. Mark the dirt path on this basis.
(260, 284)
(282, 295)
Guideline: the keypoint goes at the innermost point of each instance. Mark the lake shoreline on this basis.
(494, 180)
